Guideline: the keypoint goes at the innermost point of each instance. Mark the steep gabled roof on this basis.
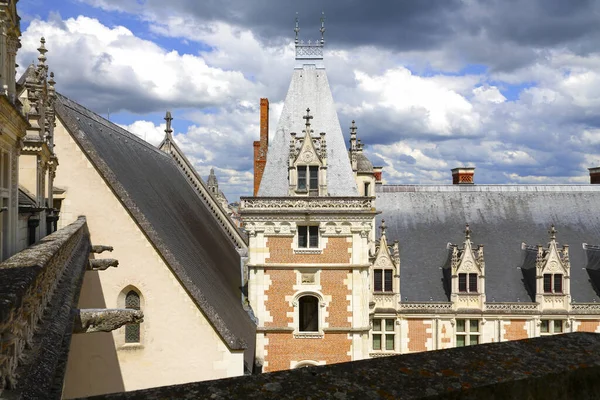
(426, 218)
(309, 88)
(170, 213)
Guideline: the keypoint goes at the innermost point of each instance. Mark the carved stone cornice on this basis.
(299, 204)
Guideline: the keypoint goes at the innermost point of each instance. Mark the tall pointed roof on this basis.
(309, 88)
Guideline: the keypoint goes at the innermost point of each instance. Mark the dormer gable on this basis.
(307, 168)
(467, 272)
(552, 273)
(385, 268)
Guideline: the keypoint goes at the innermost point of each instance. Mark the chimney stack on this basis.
(463, 176)
(594, 175)
(261, 146)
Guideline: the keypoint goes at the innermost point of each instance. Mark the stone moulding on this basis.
(306, 203)
(39, 288)
(585, 308)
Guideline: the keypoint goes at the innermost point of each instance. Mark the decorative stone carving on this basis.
(101, 248)
(102, 264)
(105, 320)
(308, 203)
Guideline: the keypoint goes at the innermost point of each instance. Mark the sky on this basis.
(511, 87)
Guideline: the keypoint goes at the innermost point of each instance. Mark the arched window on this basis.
(309, 314)
(132, 331)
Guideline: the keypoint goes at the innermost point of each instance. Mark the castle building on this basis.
(343, 267)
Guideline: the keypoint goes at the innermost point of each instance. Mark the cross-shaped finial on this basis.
(467, 232)
(297, 28)
(322, 27)
(353, 128)
(552, 232)
(168, 118)
(308, 117)
(382, 227)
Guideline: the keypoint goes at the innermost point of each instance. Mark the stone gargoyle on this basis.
(105, 319)
(101, 248)
(101, 264)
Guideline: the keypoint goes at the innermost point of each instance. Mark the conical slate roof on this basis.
(309, 89)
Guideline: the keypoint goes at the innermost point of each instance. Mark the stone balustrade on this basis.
(39, 289)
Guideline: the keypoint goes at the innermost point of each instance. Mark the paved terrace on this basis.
(553, 367)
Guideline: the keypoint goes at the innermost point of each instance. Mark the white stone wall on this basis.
(178, 344)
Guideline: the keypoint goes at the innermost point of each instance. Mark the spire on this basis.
(353, 136)
(296, 29)
(307, 117)
(322, 30)
(168, 129)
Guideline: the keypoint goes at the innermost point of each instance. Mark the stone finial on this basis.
(102, 263)
(552, 232)
(308, 117)
(322, 30)
(168, 118)
(467, 232)
(296, 29)
(42, 50)
(105, 320)
(382, 227)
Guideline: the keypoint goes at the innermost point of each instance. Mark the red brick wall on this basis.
(417, 334)
(515, 330)
(261, 146)
(332, 283)
(282, 282)
(337, 251)
(588, 326)
(282, 348)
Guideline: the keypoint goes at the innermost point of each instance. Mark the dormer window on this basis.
(467, 283)
(308, 178)
(553, 283)
(383, 280)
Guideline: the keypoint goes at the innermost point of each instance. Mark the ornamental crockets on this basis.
(307, 163)
(385, 271)
(467, 274)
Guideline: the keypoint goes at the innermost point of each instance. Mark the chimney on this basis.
(463, 176)
(261, 146)
(594, 175)
(377, 173)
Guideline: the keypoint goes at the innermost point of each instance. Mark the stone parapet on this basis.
(39, 290)
(295, 204)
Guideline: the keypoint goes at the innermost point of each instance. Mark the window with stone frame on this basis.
(467, 332)
(132, 331)
(551, 327)
(467, 283)
(308, 314)
(383, 334)
(553, 283)
(383, 280)
(308, 236)
(308, 178)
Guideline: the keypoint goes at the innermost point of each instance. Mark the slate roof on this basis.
(171, 214)
(425, 218)
(363, 164)
(309, 88)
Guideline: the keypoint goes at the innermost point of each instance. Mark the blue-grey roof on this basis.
(309, 88)
(171, 214)
(425, 218)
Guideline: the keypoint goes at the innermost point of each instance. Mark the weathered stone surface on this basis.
(105, 320)
(39, 288)
(103, 263)
(551, 367)
(101, 248)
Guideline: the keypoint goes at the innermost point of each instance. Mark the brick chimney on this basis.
(261, 146)
(594, 175)
(463, 176)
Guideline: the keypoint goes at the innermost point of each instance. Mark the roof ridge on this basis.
(108, 124)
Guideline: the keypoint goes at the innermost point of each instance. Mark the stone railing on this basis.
(512, 307)
(426, 307)
(386, 300)
(306, 203)
(585, 308)
(39, 288)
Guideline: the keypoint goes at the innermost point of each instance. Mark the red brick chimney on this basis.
(261, 146)
(594, 175)
(463, 176)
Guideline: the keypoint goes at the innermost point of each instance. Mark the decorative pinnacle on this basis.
(467, 232)
(308, 117)
(42, 49)
(382, 227)
(353, 129)
(168, 118)
(552, 232)
(297, 28)
(322, 27)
